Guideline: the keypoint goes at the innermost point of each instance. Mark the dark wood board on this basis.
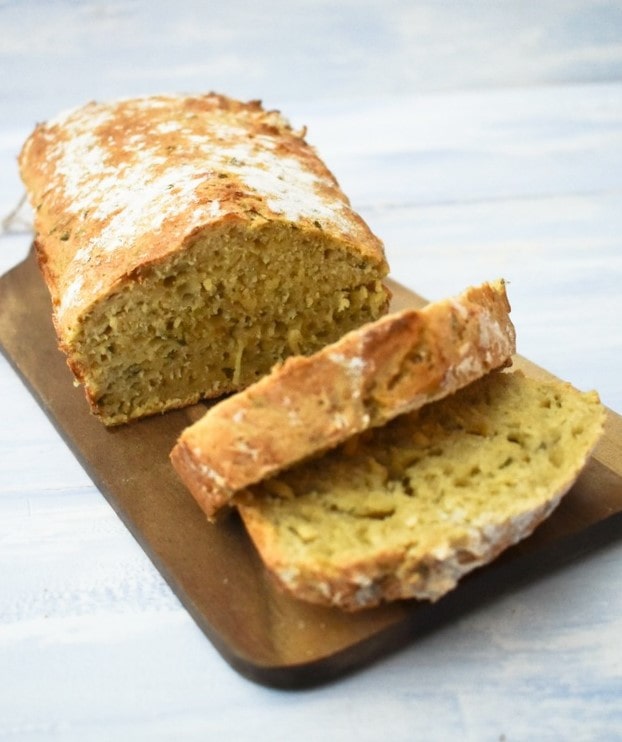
(214, 570)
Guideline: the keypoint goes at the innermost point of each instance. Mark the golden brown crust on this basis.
(133, 197)
(312, 404)
(119, 186)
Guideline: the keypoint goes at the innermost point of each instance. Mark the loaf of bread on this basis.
(189, 244)
(308, 405)
(405, 510)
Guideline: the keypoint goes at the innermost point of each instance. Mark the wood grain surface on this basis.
(213, 569)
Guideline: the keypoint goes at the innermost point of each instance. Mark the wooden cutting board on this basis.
(214, 570)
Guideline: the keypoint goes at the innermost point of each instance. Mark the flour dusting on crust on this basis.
(123, 170)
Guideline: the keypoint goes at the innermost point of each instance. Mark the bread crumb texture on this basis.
(372, 374)
(189, 243)
(405, 510)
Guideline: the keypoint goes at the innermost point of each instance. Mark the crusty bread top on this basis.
(121, 185)
(372, 374)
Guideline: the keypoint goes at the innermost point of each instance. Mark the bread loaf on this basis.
(307, 405)
(405, 510)
(189, 244)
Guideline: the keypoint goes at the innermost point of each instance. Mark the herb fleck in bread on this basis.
(405, 510)
(189, 244)
(307, 405)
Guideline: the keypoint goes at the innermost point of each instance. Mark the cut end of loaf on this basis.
(406, 510)
(218, 316)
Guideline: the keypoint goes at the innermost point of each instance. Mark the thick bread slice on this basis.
(308, 405)
(405, 510)
(189, 243)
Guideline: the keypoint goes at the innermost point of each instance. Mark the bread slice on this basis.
(189, 243)
(308, 405)
(405, 510)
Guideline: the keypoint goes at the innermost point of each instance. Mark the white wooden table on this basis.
(478, 140)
